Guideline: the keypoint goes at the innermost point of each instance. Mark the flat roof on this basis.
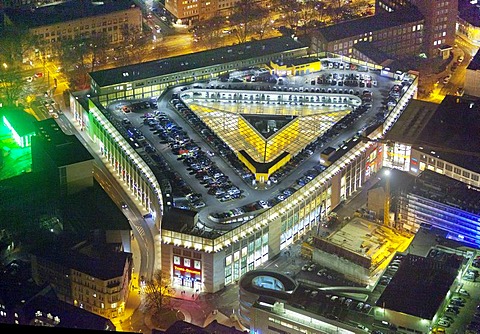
(420, 285)
(195, 60)
(295, 62)
(20, 120)
(368, 24)
(452, 125)
(63, 12)
(444, 189)
(101, 263)
(372, 52)
(474, 64)
(469, 12)
(63, 149)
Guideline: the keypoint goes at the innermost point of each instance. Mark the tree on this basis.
(11, 83)
(74, 56)
(158, 291)
(134, 45)
(289, 10)
(263, 23)
(16, 43)
(245, 16)
(209, 32)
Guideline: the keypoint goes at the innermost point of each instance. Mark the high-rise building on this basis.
(440, 21)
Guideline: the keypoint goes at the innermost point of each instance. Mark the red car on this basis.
(38, 75)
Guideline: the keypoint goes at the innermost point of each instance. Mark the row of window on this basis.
(449, 167)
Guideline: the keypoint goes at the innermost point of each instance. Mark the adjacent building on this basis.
(63, 157)
(87, 275)
(73, 19)
(435, 200)
(469, 21)
(420, 288)
(24, 303)
(440, 19)
(438, 138)
(472, 76)
(400, 34)
(187, 12)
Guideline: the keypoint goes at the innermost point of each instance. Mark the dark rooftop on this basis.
(101, 264)
(371, 23)
(183, 327)
(70, 316)
(196, 60)
(20, 120)
(446, 190)
(420, 285)
(469, 12)
(294, 62)
(62, 12)
(474, 64)
(63, 149)
(448, 129)
(374, 53)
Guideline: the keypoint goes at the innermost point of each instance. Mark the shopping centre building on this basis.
(210, 262)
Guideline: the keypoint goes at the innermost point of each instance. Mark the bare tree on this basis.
(209, 32)
(16, 43)
(263, 23)
(98, 48)
(11, 83)
(74, 56)
(134, 44)
(244, 17)
(158, 291)
(289, 10)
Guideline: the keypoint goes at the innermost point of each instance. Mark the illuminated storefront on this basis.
(187, 272)
(21, 126)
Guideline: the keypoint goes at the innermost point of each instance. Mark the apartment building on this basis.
(27, 3)
(440, 21)
(399, 34)
(469, 21)
(87, 275)
(189, 11)
(71, 19)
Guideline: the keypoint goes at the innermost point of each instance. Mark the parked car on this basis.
(447, 78)
(443, 323)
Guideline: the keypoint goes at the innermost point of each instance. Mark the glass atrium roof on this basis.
(231, 122)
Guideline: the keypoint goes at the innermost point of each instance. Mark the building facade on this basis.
(399, 34)
(188, 12)
(440, 21)
(97, 284)
(73, 19)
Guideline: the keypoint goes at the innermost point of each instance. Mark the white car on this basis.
(443, 323)
(263, 204)
(463, 292)
(447, 79)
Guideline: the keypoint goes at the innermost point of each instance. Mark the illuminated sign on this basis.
(187, 270)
